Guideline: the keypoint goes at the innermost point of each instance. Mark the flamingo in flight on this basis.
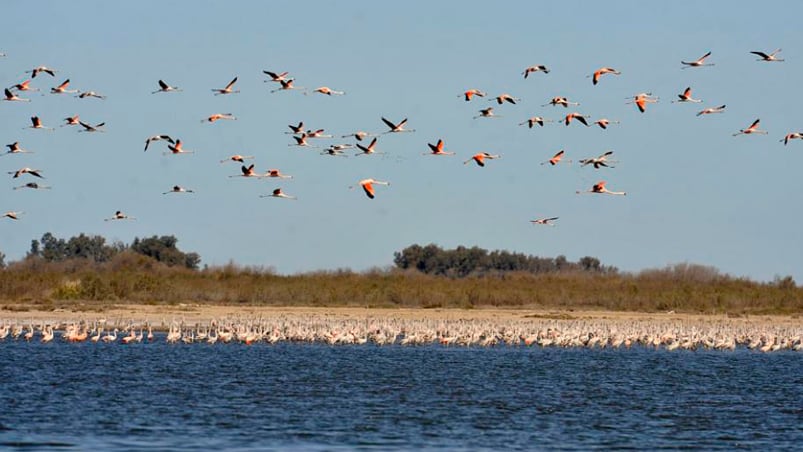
(301, 141)
(502, 98)
(581, 118)
(557, 158)
(605, 122)
(359, 135)
(14, 215)
(24, 86)
(178, 148)
(544, 221)
(479, 158)
(91, 128)
(770, 57)
(237, 158)
(487, 113)
(471, 93)
(328, 91)
(36, 123)
(277, 173)
(437, 149)
(711, 110)
(368, 186)
(316, 134)
(178, 189)
(11, 97)
(537, 68)
(33, 185)
(286, 85)
(642, 99)
(700, 62)
(397, 128)
(227, 90)
(560, 100)
(535, 120)
(150, 140)
(85, 94)
(792, 136)
(370, 149)
(61, 89)
(40, 69)
(71, 121)
(685, 96)
(165, 88)
(14, 148)
(336, 150)
(26, 170)
(278, 193)
(598, 161)
(299, 129)
(247, 171)
(602, 71)
(119, 215)
(752, 129)
(218, 117)
(599, 187)
(276, 77)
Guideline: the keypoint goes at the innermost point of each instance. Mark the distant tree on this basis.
(164, 250)
(2, 260)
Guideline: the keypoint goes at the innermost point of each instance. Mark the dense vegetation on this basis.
(85, 273)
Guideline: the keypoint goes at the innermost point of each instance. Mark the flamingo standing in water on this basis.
(479, 158)
(237, 158)
(700, 62)
(119, 215)
(437, 149)
(471, 93)
(535, 120)
(752, 129)
(150, 140)
(11, 97)
(368, 186)
(536, 68)
(218, 117)
(177, 148)
(178, 189)
(544, 221)
(62, 89)
(14, 148)
(711, 110)
(560, 100)
(642, 99)
(227, 90)
(12, 214)
(770, 57)
(602, 71)
(599, 187)
(397, 128)
(685, 96)
(791, 136)
(165, 88)
(557, 158)
(277, 193)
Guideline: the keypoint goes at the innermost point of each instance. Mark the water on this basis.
(318, 397)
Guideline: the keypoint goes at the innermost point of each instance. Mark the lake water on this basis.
(318, 397)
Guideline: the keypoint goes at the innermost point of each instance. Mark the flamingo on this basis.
(275, 77)
(26, 170)
(598, 161)
(368, 186)
(582, 118)
(502, 98)
(61, 89)
(437, 149)
(685, 96)
(110, 337)
(328, 91)
(370, 149)
(711, 110)
(150, 140)
(90, 128)
(85, 94)
(336, 150)
(71, 121)
(698, 62)
(286, 85)
(178, 189)
(792, 136)
(277, 173)
(24, 86)
(560, 100)
(770, 57)
(32, 185)
(642, 99)
(40, 69)
(14, 148)
(752, 129)
(11, 97)
(301, 141)
(479, 158)
(247, 171)
(605, 122)
(359, 135)
(397, 128)
(237, 158)
(14, 215)
(36, 123)
(219, 116)
(535, 120)
(602, 71)
(487, 113)
(599, 187)
(165, 88)
(178, 148)
(296, 130)
(529, 70)
(119, 215)
(544, 221)
(277, 193)
(557, 158)
(471, 93)
(227, 89)
(316, 134)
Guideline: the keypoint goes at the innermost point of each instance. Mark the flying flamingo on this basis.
(32, 185)
(165, 88)
(582, 118)
(599, 187)
(328, 91)
(14, 215)
(277, 173)
(286, 85)
(44, 69)
(238, 158)
(711, 110)
(601, 160)
(397, 128)
(560, 100)
(24, 86)
(752, 129)
(36, 123)
(605, 122)
(61, 89)
(642, 99)
(227, 89)
(301, 141)
(685, 96)
(277, 193)
(336, 150)
(299, 129)
(479, 158)
(219, 116)
(502, 98)
(557, 158)
(85, 94)
(792, 136)
(90, 128)
(71, 121)
(471, 93)
(544, 221)
(535, 120)
(529, 70)
(370, 149)
(26, 170)
(14, 148)
(359, 135)
(119, 215)
(178, 148)
(698, 62)
(602, 71)
(437, 149)
(11, 97)
(487, 113)
(179, 189)
(247, 171)
(316, 134)
(276, 77)
(768, 56)
(368, 186)
(150, 140)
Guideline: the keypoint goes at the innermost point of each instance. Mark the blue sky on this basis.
(695, 193)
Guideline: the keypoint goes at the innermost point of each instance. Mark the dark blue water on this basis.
(291, 396)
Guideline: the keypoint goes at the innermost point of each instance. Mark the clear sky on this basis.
(695, 193)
